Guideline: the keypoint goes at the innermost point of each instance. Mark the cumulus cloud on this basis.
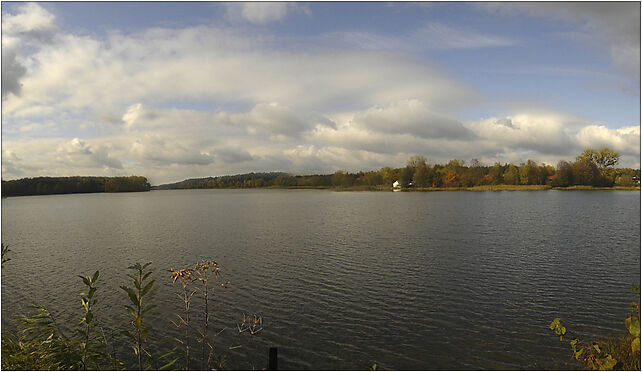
(80, 154)
(157, 142)
(276, 119)
(116, 105)
(412, 117)
(166, 65)
(164, 150)
(31, 26)
(12, 72)
(625, 140)
(542, 133)
(31, 21)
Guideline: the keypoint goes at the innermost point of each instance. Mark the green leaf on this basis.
(554, 323)
(146, 275)
(131, 310)
(597, 348)
(88, 317)
(168, 365)
(91, 292)
(145, 265)
(95, 277)
(635, 345)
(132, 295)
(147, 288)
(574, 343)
(85, 303)
(85, 280)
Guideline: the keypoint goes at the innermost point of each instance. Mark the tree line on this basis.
(72, 185)
(590, 168)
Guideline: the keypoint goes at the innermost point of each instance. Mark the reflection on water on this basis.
(461, 280)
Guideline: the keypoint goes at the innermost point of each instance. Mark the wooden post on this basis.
(273, 363)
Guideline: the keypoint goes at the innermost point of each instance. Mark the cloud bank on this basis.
(203, 101)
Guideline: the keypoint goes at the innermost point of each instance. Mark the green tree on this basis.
(585, 172)
(603, 157)
(388, 175)
(422, 176)
(405, 176)
(564, 175)
(495, 174)
(511, 176)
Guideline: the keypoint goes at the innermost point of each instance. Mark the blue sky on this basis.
(175, 90)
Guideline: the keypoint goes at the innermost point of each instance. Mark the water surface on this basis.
(441, 280)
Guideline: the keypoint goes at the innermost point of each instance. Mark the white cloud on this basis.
(77, 153)
(625, 140)
(262, 12)
(166, 65)
(114, 106)
(32, 21)
(170, 144)
(412, 117)
(30, 26)
(276, 119)
(439, 36)
(428, 37)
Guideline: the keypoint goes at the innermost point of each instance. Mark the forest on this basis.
(72, 185)
(595, 168)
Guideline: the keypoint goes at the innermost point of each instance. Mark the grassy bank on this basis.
(632, 188)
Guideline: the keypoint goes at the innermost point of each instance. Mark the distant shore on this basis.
(424, 189)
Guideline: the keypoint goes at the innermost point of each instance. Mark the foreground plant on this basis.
(88, 321)
(138, 309)
(185, 277)
(622, 353)
(5, 250)
(202, 271)
(39, 345)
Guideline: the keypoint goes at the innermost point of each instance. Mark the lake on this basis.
(412, 280)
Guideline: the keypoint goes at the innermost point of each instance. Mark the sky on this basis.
(182, 90)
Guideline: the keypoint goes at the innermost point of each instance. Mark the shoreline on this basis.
(424, 189)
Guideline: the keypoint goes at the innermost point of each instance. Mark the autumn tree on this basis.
(511, 176)
(603, 157)
(495, 174)
(585, 172)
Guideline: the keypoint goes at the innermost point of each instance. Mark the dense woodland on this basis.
(591, 168)
(72, 185)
